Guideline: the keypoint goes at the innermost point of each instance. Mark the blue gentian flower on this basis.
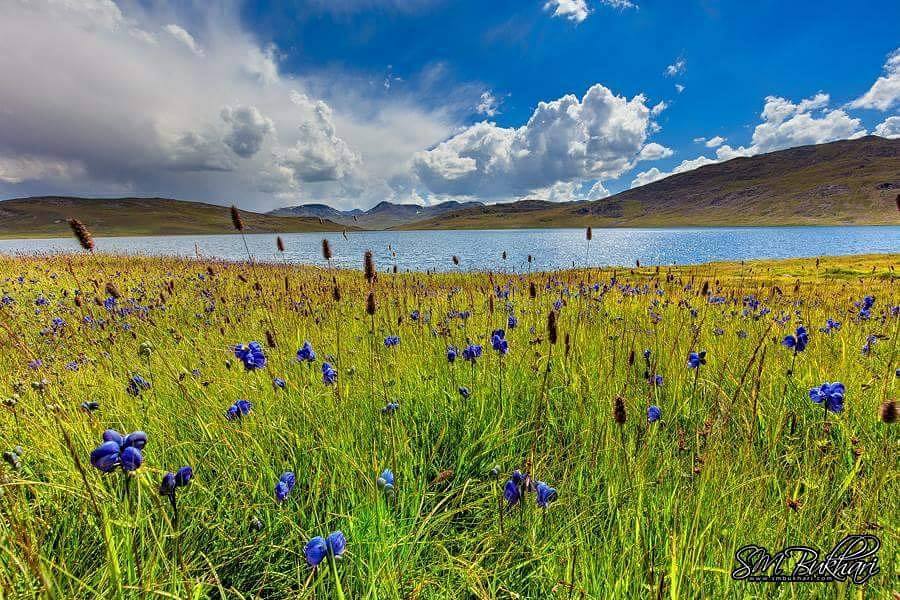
(238, 409)
(471, 352)
(830, 325)
(653, 414)
(464, 392)
(306, 353)
(830, 395)
(498, 341)
(315, 551)
(452, 353)
(390, 408)
(797, 342)
(137, 384)
(251, 355)
(696, 359)
(284, 486)
(391, 341)
(385, 481)
(279, 382)
(117, 450)
(336, 543)
(512, 322)
(171, 481)
(545, 494)
(867, 347)
(511, 492)
(109, 303)
(414, 315)
(131, 459)
(329, 375)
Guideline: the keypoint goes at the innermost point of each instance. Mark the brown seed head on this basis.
(369, 267)
(589, 233)
(888, 411)
(619, 415)
(532, 290)
(82, 234)
(326, 250)
(236, 218)
(551, 327)
(280, 243)
(113, 291)
(370, 303)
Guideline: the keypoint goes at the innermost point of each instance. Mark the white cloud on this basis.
(658, 108)
(488, 105)
(679, 88)
(676, 68)
(185, 38)
(597, 192)
(785, 124)
(599, 136)
(889, 128)
(885, 92)
(654, 151)
(106, 100)
(573, 10)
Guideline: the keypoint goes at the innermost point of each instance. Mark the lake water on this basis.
(482, 250)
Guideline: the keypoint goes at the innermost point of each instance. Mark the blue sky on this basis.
(351, 102)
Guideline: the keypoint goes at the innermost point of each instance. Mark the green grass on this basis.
(644, 511)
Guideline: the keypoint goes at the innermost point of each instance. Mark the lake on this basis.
(482, 250)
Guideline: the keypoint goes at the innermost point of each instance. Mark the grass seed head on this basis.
(236, 218)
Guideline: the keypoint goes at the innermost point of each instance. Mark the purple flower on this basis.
(238, 410)
(498, 341)
(452, 353)
(251, 355)
(696, 359)
(471, 352)
(306, 353)
(653, 414)
(284, 486)
(391, 341)
(329, 375)
(797, 342)
(545, 494)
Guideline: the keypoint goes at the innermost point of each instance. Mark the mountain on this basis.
(47, 216)
(852, 182)
(384, 215)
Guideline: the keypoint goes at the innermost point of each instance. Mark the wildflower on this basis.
(239, 409)
(545, 494)
(867, 347)
(110, 303)
(656, 380)
(471, 352)
(830, 325)
(90, 407)
(137, 384)
(284, 486)
(498, 341)
(172, 481)
(318, 548)
(251, 355)
(653, 414)
(329, 375)
(279, 383)
(797, 342)
(696, 359)
(385, 481)
(414, 315)
(511, 322)
(306, 353)
(452, 353)
(830, 395)
(118, 451)
(390, 408)
(464, 392)
(391, 341)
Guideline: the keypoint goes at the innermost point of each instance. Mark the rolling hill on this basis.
(47, 216)
(847, 182)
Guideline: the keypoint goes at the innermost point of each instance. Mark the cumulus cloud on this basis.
(676, 68)
(885, 92)
(573, 10)
(571, 139)
(135, 102)
(248, 129)
(785, 124)
(889, 128)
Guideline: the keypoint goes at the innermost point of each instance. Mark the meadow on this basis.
(642, 467)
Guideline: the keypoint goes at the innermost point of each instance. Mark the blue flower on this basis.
(329, 375)
(238, 410)
(109, 303)
(511, 492)
(390, 408)
(106, 456)
(183, 476)
(471, 352)
(797, 342)
(315, 551)
(656, 380)
(131, 459)
(831, 395)
(696, 359)
(385, 481)
(171, 481)
(306, 353)
(830, 325)
(452, 353)
(464, 392)
(251, 355)
(279, 382)
(391, 341)
(511, 322)
(137, 384)
(284, 486)
(545, 494)
(337, 543)
(867, 347)
(653, 414)
(498, 341)
(414, 315)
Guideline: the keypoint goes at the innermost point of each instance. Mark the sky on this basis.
(353, 102)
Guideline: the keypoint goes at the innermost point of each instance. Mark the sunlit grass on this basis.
(644, 510)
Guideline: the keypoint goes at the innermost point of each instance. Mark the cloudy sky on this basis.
(350, 102)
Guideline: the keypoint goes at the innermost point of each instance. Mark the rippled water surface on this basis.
(551, 248)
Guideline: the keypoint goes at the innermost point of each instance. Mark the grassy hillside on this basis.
(47, 217)
(847, 182)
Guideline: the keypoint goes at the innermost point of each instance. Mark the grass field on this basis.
(740, 455)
